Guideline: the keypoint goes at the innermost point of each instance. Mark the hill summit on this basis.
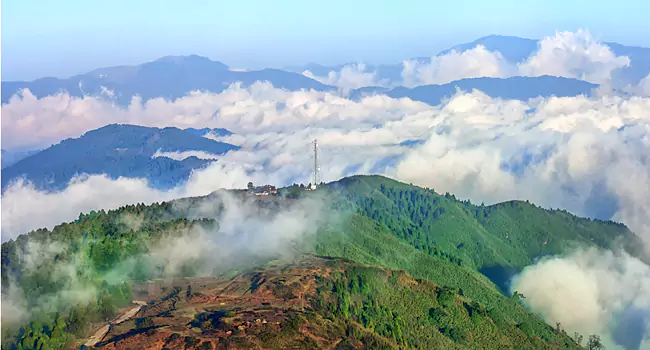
(301, 268)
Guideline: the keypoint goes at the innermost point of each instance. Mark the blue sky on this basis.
(63, 38)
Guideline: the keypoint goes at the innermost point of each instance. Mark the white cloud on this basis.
(644, 86)
(580, 150)
(31, 122)
(177, 155)
(351, 76)
(473, 63)
(108, 92)
(24, 208)
(566, 54)
(71, 283)
(588, 155)
(591, 292)
(574, 55)
(245, 232)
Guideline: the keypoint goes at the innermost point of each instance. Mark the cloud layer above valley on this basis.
(351, 76)
(589, 155)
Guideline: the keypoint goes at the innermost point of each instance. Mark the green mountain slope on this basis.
(78, 275)
(507, 234)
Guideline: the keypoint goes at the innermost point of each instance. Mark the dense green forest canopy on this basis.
(60, 282)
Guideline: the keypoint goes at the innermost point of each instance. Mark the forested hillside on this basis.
(508, 234)
(168, 77)
(65, 282)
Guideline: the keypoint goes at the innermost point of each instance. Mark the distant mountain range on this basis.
(390, 72)
(520, 88)
(12, 156)
(169, 77)
(172, 77)
(119, 150)
(511, 88)
(513, 49)
(516, 50)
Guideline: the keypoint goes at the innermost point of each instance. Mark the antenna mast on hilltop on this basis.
(316, 166)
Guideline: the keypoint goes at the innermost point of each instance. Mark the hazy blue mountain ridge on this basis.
(169, 77)
(12, 156)
(514, 50)
(172, 77)
(118, 151)
(520, 88)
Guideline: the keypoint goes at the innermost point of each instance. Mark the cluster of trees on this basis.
(508, 234)
(431, 316)
(71, 277)
(56, 330)
(411, 215)
(370, 312)
(295, 190)
(36, 335)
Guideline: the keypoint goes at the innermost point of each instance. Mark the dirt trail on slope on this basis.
(101, 333)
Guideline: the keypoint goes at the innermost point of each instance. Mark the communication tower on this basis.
(316, 167)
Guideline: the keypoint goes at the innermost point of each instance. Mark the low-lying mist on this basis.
(228, 231)
(592, 291)
(244, 231)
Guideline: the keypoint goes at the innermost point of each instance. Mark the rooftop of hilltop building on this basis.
(263, 190)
